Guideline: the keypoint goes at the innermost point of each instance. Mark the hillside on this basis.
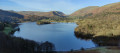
(46, 14)
(8, 16)
(103, 22)
(84, 12)
(109, 11)
(95, 10)
(107, 8)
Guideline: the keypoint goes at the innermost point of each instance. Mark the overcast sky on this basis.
(65, 6)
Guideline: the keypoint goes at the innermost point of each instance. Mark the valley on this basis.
(93, 29)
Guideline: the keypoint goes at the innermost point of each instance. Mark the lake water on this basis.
(60, 34)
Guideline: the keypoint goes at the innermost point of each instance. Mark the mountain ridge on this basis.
(7, 16)
(38, 13)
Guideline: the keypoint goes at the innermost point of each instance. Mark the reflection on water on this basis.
(107, 41)
(60, 34)
(84, 37)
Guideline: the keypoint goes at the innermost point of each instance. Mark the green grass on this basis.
(7, 30)
(106, 50)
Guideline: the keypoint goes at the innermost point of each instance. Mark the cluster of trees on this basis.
(2, 26)
(32, 18)
(19, 45)
(98, 27)
(61, 19)
(42, 22)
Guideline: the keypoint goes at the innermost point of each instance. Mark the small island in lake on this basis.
(43, 22)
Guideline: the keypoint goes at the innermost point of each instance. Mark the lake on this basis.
(60, 34)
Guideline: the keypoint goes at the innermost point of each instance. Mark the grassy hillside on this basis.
(84, 12)
(105, 21)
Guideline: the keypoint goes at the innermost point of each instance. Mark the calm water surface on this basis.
(60, 34)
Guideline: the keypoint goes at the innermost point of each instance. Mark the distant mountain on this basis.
(14, 16)
(46, 14)
(84, 11)
(8, 16)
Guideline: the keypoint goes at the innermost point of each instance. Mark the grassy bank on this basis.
(8, 28)
(107, 49)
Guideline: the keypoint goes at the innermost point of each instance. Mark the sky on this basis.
(65, 6)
